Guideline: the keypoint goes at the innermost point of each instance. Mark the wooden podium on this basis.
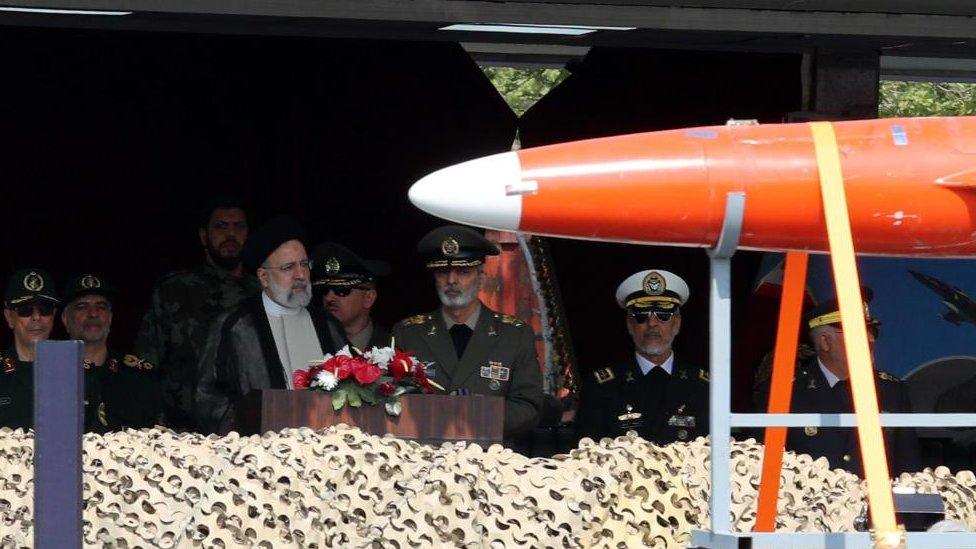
(426, 418)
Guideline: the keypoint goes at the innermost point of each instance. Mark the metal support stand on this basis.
(720, 374)
(59, 388)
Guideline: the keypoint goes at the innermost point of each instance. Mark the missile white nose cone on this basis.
(485, 192)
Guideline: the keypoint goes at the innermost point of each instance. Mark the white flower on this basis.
(381, 356)
(325, 379)
(344, 352)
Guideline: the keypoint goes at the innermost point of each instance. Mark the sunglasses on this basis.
(641, 317)
(342, 291)
(42, 308)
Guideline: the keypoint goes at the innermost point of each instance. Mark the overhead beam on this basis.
(645, 17)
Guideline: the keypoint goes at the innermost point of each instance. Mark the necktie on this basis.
(461, 334)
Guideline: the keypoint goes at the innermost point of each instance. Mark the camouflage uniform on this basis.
(174, 331)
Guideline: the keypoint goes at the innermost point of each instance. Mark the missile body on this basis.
(910, 185)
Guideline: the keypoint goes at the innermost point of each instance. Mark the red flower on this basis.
(400, 365)
(341, 365)
(300, 379)
(367, 372)
(386, 389)
(420, 378)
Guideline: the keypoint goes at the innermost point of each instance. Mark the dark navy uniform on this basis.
(661, 408)
(812, 394)
(16, 391)
(120, 393)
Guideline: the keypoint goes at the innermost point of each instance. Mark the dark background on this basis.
(111, 141)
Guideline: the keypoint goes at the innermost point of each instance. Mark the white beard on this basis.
(463, 300)
(287, 297)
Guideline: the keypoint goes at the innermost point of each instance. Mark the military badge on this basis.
(603, 375)
(494, 385)
(450, 247)
(33, 282)
(433, 330)
(629, 376)
(630, 419)
(681, 421)
(812, 384)
(102, 414)
(332, 266)
(654, 284)
(90, 281)
(810, 431)
(682, 374)
(682, 434)
(495, 372)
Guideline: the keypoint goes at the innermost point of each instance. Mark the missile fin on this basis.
(964, 180)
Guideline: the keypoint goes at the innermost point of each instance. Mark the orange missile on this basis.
(910, 186)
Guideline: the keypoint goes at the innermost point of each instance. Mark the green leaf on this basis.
(368, 395)
(354, 397)
(339, 398)
(393, 408)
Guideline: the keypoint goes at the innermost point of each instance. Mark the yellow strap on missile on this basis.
(781, 386)
(855, 334)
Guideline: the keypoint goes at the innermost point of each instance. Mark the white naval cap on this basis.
(653, 288)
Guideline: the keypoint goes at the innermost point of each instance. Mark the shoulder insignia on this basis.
(509, 319)
(87, 364)
(7, 363)
(703, 375)
(603, 375)
(887, 377)
(133, 361)
(415, 320)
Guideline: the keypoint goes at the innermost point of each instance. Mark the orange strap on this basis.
(855, 335)
(781, 386)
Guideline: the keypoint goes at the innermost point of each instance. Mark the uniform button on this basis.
(847, 457)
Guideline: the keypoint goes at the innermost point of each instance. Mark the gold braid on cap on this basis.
(439, 263)
(648, 300)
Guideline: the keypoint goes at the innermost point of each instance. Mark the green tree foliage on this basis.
(926, 99)
(522, 87)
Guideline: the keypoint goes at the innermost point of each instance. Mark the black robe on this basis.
(241, 356)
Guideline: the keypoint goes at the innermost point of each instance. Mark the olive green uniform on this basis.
(499, 360)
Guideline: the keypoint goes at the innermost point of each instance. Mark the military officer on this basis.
(468, 348)
(120, 390)
(29, 304)
(821, 385)
(652, 392)
(346, 287)
(174, 330)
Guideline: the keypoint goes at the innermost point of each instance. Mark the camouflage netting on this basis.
(342, 488)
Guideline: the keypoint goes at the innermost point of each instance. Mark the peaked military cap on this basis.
(337, 265)
(266, 239)
(87, 284)
(28, 285)
(652, 289)
(828, 312)
(454, 246)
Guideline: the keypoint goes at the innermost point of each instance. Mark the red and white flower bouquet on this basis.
(381, 374)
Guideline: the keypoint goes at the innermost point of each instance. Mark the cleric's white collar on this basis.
(274, 308)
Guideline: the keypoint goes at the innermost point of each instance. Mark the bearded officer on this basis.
(121, 390)
(652, 392)
(821, 385)
(468, 348)
(29, 304)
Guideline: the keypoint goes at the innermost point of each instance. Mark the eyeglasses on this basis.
(343, 291)
(641, 317)
(43, 308)
(305, 264)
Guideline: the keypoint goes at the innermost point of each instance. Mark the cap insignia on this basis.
(332, 266)
(654, 284)
(90, 281)
(33, 282)
(450, 247)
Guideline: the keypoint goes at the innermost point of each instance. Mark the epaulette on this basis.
(509, 319)
(703, 375)
(603, 375)
(415, 320)
(887, 377)
(133, 361)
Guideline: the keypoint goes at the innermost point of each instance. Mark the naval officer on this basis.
(652, 392)
(467, 347)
